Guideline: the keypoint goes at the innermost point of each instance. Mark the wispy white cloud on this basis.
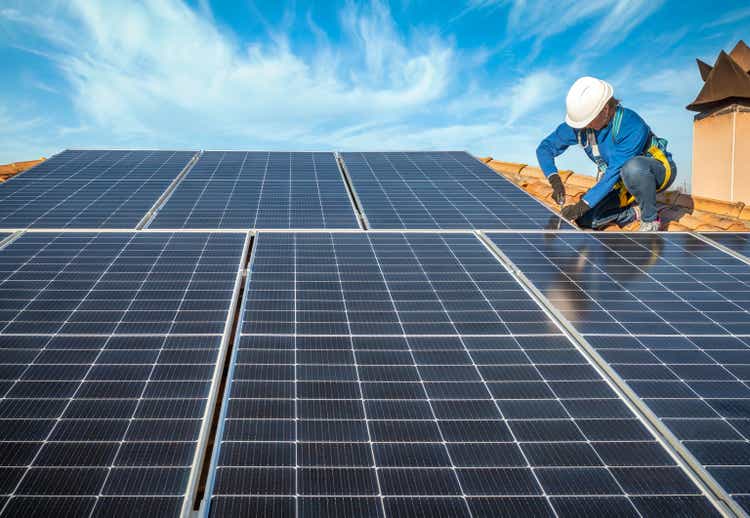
(679, 85)
(539, 20)
(733, 17)
(162, 74)
(146, 68)
(533, 92)
(525, 96)
(21, 135)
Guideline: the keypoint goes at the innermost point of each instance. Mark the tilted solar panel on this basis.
(441, 190)
(238, 189)
(410, 374)
(669, 313)
(89, 189)
(108, 347)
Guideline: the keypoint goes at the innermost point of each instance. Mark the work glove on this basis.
(575, 211)
(558, 189)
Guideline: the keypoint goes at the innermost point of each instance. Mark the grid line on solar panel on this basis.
(734, 243)
(387, 374)
(669, 314)
(89, 189)
(440, 190)
(259, 190)
(108, 347)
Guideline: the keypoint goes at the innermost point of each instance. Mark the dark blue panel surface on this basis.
(89, 189)
(736, 241)
(237, 189)
(669, 313)
(409, 374)
(108, 347)
(441, 190)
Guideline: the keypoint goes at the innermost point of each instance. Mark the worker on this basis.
(633, 164)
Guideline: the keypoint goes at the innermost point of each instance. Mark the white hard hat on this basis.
(586, 98)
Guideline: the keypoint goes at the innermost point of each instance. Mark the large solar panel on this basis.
(410, 375)
(108, 346)
(89, 189)
(669, 313)
(238, 189)
(441, 190)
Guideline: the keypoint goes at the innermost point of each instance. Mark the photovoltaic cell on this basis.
(669, 313)
(89, 189)
(737, 242)
(108, 346)
(441, 190)
(410, 375)
(260, 190)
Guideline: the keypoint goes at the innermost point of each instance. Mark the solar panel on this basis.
(409, 374)
(441, 190)
(260, 190)
(669, 313)
(737, 242)
(89, 189)
(108, 347)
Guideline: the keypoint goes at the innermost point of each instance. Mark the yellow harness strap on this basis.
(654, 152)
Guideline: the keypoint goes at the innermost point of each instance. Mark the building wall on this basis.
(742, 158)
(721, 156)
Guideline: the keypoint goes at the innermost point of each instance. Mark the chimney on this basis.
(721, 129)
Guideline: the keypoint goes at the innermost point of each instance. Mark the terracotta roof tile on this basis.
(678, 211)
(8, 170)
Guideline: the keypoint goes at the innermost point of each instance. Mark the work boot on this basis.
(649, 226)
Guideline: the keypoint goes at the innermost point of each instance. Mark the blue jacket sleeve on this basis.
(554, 145)
(631, 141)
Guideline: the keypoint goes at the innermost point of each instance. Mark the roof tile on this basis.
(8, 170)
(678, 211)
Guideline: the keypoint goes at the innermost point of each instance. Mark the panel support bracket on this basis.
(199, 474)
(364, 224)
(148, 217)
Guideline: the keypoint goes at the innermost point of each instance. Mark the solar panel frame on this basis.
(313, 195)
(404, 194)
(271, 395)
(70, 190)
(672, 368)
(172, 366)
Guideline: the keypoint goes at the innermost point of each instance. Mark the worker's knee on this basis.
(635, 170)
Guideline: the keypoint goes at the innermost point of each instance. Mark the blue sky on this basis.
(488, 76)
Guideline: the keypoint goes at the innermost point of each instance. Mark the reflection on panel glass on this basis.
(670, 314)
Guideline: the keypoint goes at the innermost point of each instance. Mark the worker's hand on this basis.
(558, 189)
(575, 211)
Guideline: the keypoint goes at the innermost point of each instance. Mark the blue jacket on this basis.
(632, 140)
